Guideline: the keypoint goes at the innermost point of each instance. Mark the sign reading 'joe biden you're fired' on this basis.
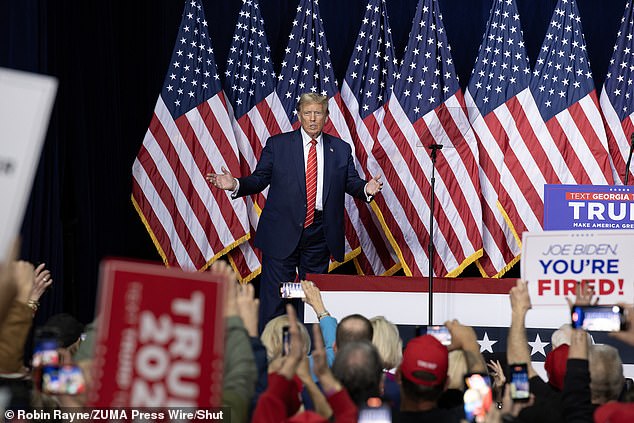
(554, 262)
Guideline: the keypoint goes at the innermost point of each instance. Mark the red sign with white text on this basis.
(160, 337)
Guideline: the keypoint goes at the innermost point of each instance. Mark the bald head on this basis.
(353, 328)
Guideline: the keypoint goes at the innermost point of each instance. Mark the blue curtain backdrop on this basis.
(111, 58)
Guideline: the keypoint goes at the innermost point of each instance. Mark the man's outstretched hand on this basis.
(374, 185)
(222, 180)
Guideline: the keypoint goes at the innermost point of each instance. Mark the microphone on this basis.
(440, 146)
(629, 159)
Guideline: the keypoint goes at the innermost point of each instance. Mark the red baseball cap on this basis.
(615, 412)
(555, 365)
(425, 354)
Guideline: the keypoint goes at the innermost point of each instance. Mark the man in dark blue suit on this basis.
(302, 223)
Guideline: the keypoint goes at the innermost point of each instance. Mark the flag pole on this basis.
(629, 159)
(434, 148)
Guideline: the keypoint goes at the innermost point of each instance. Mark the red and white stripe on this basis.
(525, 153)
(619, 137)
(365, 240)
(252, 131)
(378, 256)
(191, 224)
(407, 165)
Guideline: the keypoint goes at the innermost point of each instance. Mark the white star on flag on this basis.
(486, 344)
(538, 346)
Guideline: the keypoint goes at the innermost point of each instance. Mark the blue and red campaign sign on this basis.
(588, 207)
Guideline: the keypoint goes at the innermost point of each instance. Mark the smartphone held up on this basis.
(291, 290)
(441, 333)
(598, 318)
(62, 380)
(50, 375)
(520, 385)
(478, 397)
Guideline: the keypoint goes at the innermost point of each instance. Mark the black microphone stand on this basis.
(629, 159)
(434, 148)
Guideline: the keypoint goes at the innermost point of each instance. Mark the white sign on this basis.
(554, 262)
(26, 101)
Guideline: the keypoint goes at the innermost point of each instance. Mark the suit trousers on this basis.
(310, 256)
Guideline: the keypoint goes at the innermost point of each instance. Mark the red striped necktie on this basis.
(311, 183)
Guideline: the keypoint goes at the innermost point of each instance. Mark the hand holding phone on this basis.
(599, 318)
(62, 380)
(520, 387)
(478, 397)
(45, 352)
(441, 333)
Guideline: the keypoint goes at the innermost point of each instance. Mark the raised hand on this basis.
(248, 307)
(42, 281)
(520, 300)
(496, 371)
(583, 296)
(627, 335)
(313, 297)
(224, 180)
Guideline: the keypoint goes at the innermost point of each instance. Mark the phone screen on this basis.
(291, 290)
(520, 388)
(441, 333)
(603, 318)
(286, 341)
(477, 397)
(375, 412)
(45, 352)
(67, 379)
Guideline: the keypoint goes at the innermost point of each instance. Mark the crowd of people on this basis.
(349, 370)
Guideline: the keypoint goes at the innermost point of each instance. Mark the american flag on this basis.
(570, 141)
(369, 78)
(307, 67)
(258, 114)
(189, 136)
(427, 107)
(495, 94)
(617, 97)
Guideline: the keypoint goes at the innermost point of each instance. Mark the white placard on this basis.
(26, 101)
(553, 262)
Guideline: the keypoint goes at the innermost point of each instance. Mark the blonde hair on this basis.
(272, 336)
(388, 341)
(457, 369)
(313, 98)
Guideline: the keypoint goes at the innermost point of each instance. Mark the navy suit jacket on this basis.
(281, 166)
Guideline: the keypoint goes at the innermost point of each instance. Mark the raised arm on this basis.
(464, 338)
(517, 344)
